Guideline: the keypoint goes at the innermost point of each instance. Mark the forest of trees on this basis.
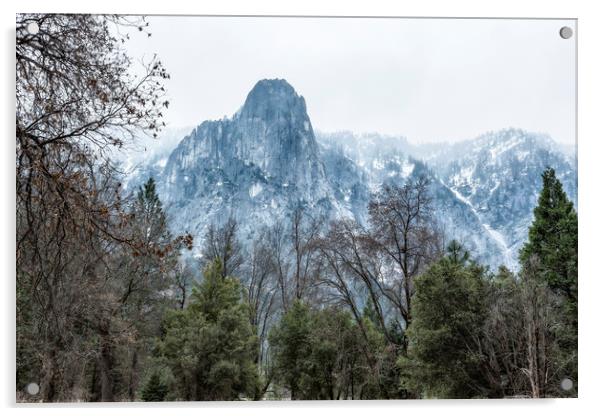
(109, 307)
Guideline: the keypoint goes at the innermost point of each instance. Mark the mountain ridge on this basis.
(266, 160)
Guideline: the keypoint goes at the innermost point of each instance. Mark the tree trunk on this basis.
(49, 381)
(106, 368)
(133, 381)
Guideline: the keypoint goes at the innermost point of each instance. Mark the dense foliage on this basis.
(321, 354)
(444, 354)
(210, 346)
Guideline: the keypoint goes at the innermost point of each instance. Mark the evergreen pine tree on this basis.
(369, 313)
(290, 343)
(550, 254)
(210, 346)
(155, 388)
(553, 240)
(320, 354)
(149, 215)
(146, 277)
(449, 311)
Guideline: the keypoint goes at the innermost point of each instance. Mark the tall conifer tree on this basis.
(553, 240)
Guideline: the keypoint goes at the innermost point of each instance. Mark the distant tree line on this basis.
(107, 308)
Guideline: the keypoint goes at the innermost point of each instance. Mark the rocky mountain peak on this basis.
(274, 102)
(260, 163)
(272, 99)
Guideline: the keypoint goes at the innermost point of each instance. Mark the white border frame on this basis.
(589, 156)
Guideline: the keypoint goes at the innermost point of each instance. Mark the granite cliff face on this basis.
(272, 132)
(257, 166)
(266, 161)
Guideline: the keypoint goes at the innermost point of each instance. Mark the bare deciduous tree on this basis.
(221, 242)
(304, 234)
(294, 252)
(536, 302)
(354, 268)
(261, 295)
(77, 98)
(403, 228)
(183, 280)
(520, 344)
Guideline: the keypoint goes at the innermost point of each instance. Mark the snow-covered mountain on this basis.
(265, 161)
(257, 166)
(494, 181)
(499, 175)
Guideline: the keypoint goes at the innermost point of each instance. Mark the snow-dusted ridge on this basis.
(266, 160)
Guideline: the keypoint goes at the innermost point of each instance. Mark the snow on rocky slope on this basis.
(265, 161)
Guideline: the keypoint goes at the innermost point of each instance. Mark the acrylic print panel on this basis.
(275, 208)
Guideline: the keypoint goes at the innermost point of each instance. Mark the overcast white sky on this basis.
(426, 79)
